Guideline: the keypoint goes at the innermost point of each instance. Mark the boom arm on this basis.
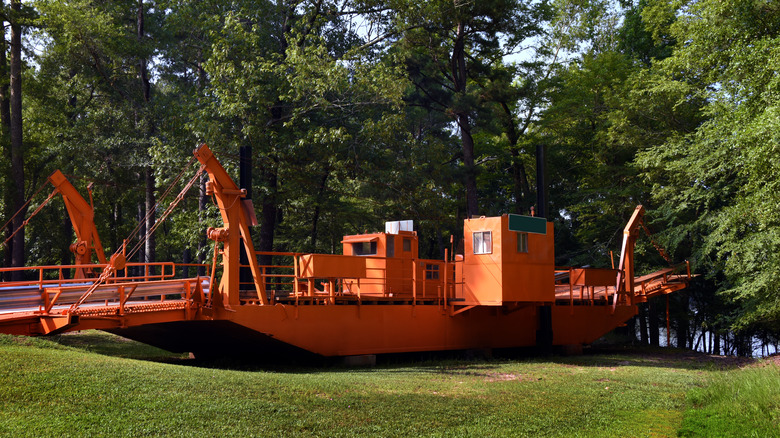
(236, 217)
(82, 217)
(626, 265)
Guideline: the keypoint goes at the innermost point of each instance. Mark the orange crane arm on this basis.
(626, 265)
(236, 215)
(82, 217)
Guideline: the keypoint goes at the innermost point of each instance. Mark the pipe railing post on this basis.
(414, 281)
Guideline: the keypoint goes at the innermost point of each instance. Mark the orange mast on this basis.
(82, 216)
(235, 211)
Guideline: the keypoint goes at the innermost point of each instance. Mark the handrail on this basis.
(662, 281)
(108, 295)
(376, 283)
(167, 270)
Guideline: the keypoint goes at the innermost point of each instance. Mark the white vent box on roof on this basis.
(396, 226)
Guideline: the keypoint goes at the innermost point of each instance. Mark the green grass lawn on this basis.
(96, 384)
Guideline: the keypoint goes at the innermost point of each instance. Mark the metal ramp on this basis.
(35, 308)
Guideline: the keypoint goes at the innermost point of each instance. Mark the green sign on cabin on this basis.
(527, 224)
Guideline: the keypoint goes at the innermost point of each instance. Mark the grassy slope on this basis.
(93, 384)
(744, 402)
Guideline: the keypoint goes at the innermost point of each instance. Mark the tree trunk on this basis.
(186, 258)
(141, 234)
(149, 247)
(467, 143)
(5, 119)
(742, 345)
(653, 316)
(118, 220)
(149, 253)
(521, 187)
(460, 77)
(202, 205)
(698, 342)
(143, 68)
(682, 321)
(317, 207)
(245, 183)
(628, 331)
(5, 101)
(66, 257)
(522, 190)
(269, 215)
(17, 145)
(202, 198)
(643, 324)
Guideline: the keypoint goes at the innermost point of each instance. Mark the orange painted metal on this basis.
(112, 305)
(625, 278)
(378, 297)
(497, 272)
(82, 216)
(593, 277)
(331, 266)
(388, 258)
(236, 231)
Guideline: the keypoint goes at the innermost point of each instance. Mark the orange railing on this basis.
(653, 284)
(55, 274)
(420, 279)
(50, 288)
(659, 282)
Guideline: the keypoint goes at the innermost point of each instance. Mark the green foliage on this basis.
(719, 182)
(584, 155)
(456, 58)
(321, 126)
(600, 116)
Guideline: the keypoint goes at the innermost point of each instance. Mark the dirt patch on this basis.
(722, 362)
(768, 361)
(487, 375)
(502, 377)
(668, 358)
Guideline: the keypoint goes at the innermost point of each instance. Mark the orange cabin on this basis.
(508, 259)
(389, 259)
(392, 266)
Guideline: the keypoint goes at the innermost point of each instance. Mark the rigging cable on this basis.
(37, 210)
(118, 259)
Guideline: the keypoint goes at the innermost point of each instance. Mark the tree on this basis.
(96, 58)
(606, 107)
(18, 17)
(454, 52)
(717, 184)
(284, 81)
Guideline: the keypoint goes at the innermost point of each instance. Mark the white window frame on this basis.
(482, 242)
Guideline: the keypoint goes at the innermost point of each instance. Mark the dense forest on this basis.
(353, 112)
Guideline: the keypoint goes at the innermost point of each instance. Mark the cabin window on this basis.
(431, 271)
(364, 248)
(407, 245)
(522, 242)
(483, 242)
(390, 246)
